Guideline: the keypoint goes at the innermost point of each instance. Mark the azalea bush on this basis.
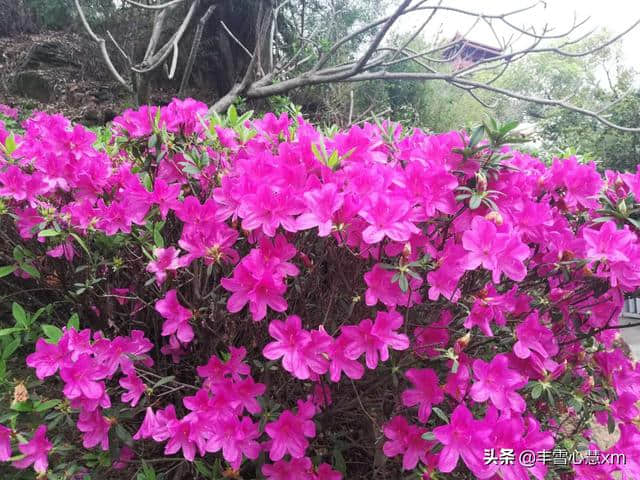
(186, 295)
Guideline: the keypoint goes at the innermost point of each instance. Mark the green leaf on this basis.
(9, 331)
(455, 366)
(634, 222)
(81, 243)
(476, 136)
(403, 283)
(202, 468)
(52, 332)
(30, 269)
(19, 315)
(157, 237)
(149, 472)
(611, 423)
(153, 141)
(22, 406)
(124, 435)
(440, 414)
(475, 201)
(10, 144)
(507, 127)
(232, 115)
(536, 391)
(48, 405)
(49, 232)
(7, 270)
(74, 322)
(316, 152)
(429, 436)
(339, 462)
(163, 380)
(11, 348)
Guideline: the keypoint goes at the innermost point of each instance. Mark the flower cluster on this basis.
(469, 294)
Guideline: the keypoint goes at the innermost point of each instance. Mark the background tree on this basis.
(295, 44)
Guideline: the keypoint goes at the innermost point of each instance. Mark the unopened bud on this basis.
(406, 250)
(567, 255)
(306, 260)
(481, 182)
(622, 207)
(495, 217)
(462, 342)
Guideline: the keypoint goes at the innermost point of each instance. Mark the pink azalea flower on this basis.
(608, 242)
(301, 351)
(497, 382)
(458, 383)
(624, 408)
(35, 451)
(255, 282)
(5, 443)
(137, 123)
(405, 440)
(174, 348)
(148, 427)
(8, 111)
(245, 393)
(298, 468)
(375, 339)
(341, 363)
(426, 393)
(498, 252)
(381, 287)
(322, 203)
(463, 437)
(491, 306)
(118, 217)
(215, 371)
(273, 125)
(268, 208)
(176, 317)
(165, 259)
(135, 389)
(235, 438)
(434, 336)
(82, 378)
(534, 337)
(325, 472)
(65, 250)
(184, 116)
(387, 215)
(95, 428)
(451, 266)
(290, 431)
(13, 183)
(47, 358)
(165, 196)
(125, 458)
(582, 182)
(121, 294)
(180, 439)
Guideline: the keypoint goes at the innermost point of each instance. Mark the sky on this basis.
(614, 15)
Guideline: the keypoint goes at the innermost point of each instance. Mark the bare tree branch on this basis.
(154, 6)
(149, 64)
(103, 47)
(194, 50)
(311, 62)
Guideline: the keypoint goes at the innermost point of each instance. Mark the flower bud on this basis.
(406, 251)
(462, 342)
(495, 217)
